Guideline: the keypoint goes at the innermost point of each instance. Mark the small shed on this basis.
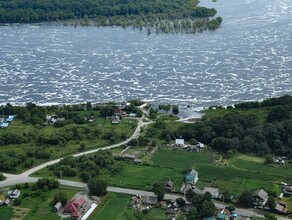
(130, 156)
(57, 207)
(179, 142)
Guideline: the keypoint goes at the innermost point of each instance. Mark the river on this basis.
(248, 58)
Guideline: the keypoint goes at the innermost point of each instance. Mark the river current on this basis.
(248, 58)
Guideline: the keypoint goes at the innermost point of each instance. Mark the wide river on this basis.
(249, 58)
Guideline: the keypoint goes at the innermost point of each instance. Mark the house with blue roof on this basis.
(192, 177)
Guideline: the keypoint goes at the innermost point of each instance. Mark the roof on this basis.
(180, 141)
(73, 206)
(262, 194)
(281, 208)
(88, 213)
(150, 200)
(193, 172)
(10, 118)
(213, 191)
(168, 184)
(58, 205)
(130, 156)
(287, 188)
(4, 125)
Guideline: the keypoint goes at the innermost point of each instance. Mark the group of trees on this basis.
(87, 167)
(245, 132)
(204, 206)
(141, 13)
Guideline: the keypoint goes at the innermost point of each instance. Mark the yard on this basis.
(40, 203)
(116, 206)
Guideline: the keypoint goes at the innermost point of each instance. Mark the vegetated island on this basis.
(161, 16)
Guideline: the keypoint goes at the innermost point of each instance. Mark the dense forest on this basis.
(239, 130)
(168, 16)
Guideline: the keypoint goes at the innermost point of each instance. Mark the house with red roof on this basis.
(73, 207)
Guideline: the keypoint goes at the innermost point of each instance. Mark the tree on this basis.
(97, 187)
(271, 202)
(270, 216)
(208, 209)
(192, 214)
(60, 197)
(278, 114)
(189, 195)
(245, 199)
(2, 177)
(158, 191)
(180, 201)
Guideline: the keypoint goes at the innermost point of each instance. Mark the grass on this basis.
(261, 113)
(116, 206)
(6, 213)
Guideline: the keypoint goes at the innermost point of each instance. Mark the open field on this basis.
(6, 213)
(116, 206)
(235, 174)
(260, 112)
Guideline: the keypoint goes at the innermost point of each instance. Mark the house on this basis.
(73, 207)
(6, 202)
(13, 194)
(130, 156)
(200, 145)
(179, 142)
(132, 115)
(117, 111)
(259, 197)
(222, 216)
(57, 207)
(213, 191)
(287, 189)
(115, 120)
(192, 177)
(4, 125)
(168, 186)
(149, 200)
(281, 208)
(10, 118)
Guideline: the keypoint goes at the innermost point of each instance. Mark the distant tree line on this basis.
(138, 13)
(244, 132)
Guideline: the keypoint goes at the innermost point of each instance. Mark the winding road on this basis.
(24, 177)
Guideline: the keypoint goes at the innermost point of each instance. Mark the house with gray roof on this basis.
(259, 197)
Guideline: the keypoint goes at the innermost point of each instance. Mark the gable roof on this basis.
(193, 172)
(73, 207)
(262, 194)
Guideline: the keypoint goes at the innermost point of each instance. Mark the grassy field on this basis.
(116, 206)
(6, 213)
(214, 113)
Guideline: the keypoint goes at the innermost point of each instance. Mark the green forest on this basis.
(167, 16)
(251, 127)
